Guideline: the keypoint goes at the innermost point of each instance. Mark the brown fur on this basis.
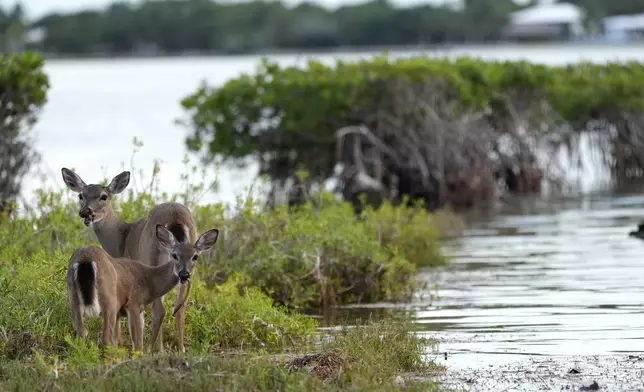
(135, 240)
(125, 285)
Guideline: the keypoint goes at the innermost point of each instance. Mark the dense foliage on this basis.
(177, 26)
(432, 129)
(23, 92)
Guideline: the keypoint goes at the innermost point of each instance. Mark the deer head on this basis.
(185, 254)
(94, 198)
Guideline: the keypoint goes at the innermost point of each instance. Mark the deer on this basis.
(135, 240)
(98, 284)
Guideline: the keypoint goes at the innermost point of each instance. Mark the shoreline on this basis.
(447, 48)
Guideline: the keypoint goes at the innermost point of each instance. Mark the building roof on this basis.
(548, 13)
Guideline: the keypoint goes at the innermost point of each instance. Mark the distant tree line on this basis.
(175, 26)
(179, 26)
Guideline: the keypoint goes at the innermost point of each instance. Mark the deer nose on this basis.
(85, 212)
(184, 275)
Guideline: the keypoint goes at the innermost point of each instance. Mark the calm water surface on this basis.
(543, 278)
(539, 278)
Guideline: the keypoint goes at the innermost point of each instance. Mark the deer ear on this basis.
(119, 183)
(207, 240)
(72, 180)
(165, 237)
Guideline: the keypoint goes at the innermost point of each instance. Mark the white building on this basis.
(546, 21)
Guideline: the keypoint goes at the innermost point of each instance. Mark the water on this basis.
(543, 278)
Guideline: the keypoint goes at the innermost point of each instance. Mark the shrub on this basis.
(442, 131)
(311, 257)
(23, 92)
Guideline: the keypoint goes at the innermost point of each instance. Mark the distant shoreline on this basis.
(345, 50)
(265, 52)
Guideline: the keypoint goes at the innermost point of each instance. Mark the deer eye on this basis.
(195, 257)
(80, 197)
(103, 197)
(174, 256)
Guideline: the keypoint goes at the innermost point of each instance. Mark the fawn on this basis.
(98, 284)
(135, 240)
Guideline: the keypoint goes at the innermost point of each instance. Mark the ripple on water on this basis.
(565, 282)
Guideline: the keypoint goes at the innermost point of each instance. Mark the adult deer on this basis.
(98, 284)
(135, 240)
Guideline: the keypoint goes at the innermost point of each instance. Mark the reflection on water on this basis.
(541, 278)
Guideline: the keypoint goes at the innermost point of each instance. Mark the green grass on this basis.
(372, 355)
(165, 373)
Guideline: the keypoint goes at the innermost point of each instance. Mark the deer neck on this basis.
(161, 280)
(111, 232)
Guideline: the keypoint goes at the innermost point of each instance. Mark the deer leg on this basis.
(109, 327)
(136, 328)
(77, 317)
(117, 331)
(158, 314)
(119, 334)
(129, 328)
(181, 315)
(142, 328)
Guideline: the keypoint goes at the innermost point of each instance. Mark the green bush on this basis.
(23, 92)
(314, 257)
(287, 117)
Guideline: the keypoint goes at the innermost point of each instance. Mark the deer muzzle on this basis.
(184, 276)
(87, 214)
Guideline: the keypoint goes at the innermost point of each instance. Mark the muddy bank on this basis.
(603, 373)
